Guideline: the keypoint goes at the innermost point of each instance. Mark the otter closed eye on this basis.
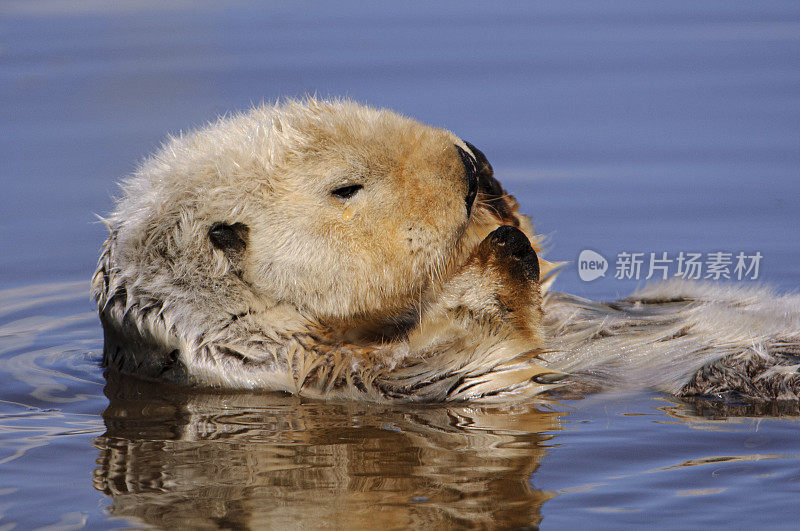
(346, 192)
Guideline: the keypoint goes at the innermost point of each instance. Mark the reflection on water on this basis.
(174, 457)
(710, 411)
(202, 460)
(138, 453)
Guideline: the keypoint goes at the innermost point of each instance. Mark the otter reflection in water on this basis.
(204, 459)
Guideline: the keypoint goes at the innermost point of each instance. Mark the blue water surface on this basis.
(621, 126)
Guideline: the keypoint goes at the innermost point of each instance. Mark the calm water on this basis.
(631, 126)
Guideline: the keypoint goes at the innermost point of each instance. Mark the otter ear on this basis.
(229, 238)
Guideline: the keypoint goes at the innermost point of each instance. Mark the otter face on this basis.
(362, 218)
(340, 210)
(362, 225)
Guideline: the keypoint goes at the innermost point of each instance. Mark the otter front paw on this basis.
(512, 253)
(498, 286)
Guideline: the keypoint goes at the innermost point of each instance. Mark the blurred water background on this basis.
(620, 127)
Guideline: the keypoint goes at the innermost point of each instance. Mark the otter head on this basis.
(339, 210)
(363, 213)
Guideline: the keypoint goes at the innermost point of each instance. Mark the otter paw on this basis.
(498, 287)
(513, 252)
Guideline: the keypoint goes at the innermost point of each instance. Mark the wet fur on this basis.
(229, 264)
(681, 337)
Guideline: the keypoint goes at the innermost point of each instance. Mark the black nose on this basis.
(471, 174)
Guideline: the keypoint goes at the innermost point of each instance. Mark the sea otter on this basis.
(333, 250)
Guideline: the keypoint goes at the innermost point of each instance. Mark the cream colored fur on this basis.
(681, 337)
(403, 291)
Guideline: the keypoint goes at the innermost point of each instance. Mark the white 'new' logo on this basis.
(591, 265)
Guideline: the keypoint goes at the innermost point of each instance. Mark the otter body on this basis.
(328, 249)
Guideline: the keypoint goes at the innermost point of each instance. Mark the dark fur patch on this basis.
(746, 376)
(170, 362)
(229, 237)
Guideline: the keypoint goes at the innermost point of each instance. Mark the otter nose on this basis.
(471, 175)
